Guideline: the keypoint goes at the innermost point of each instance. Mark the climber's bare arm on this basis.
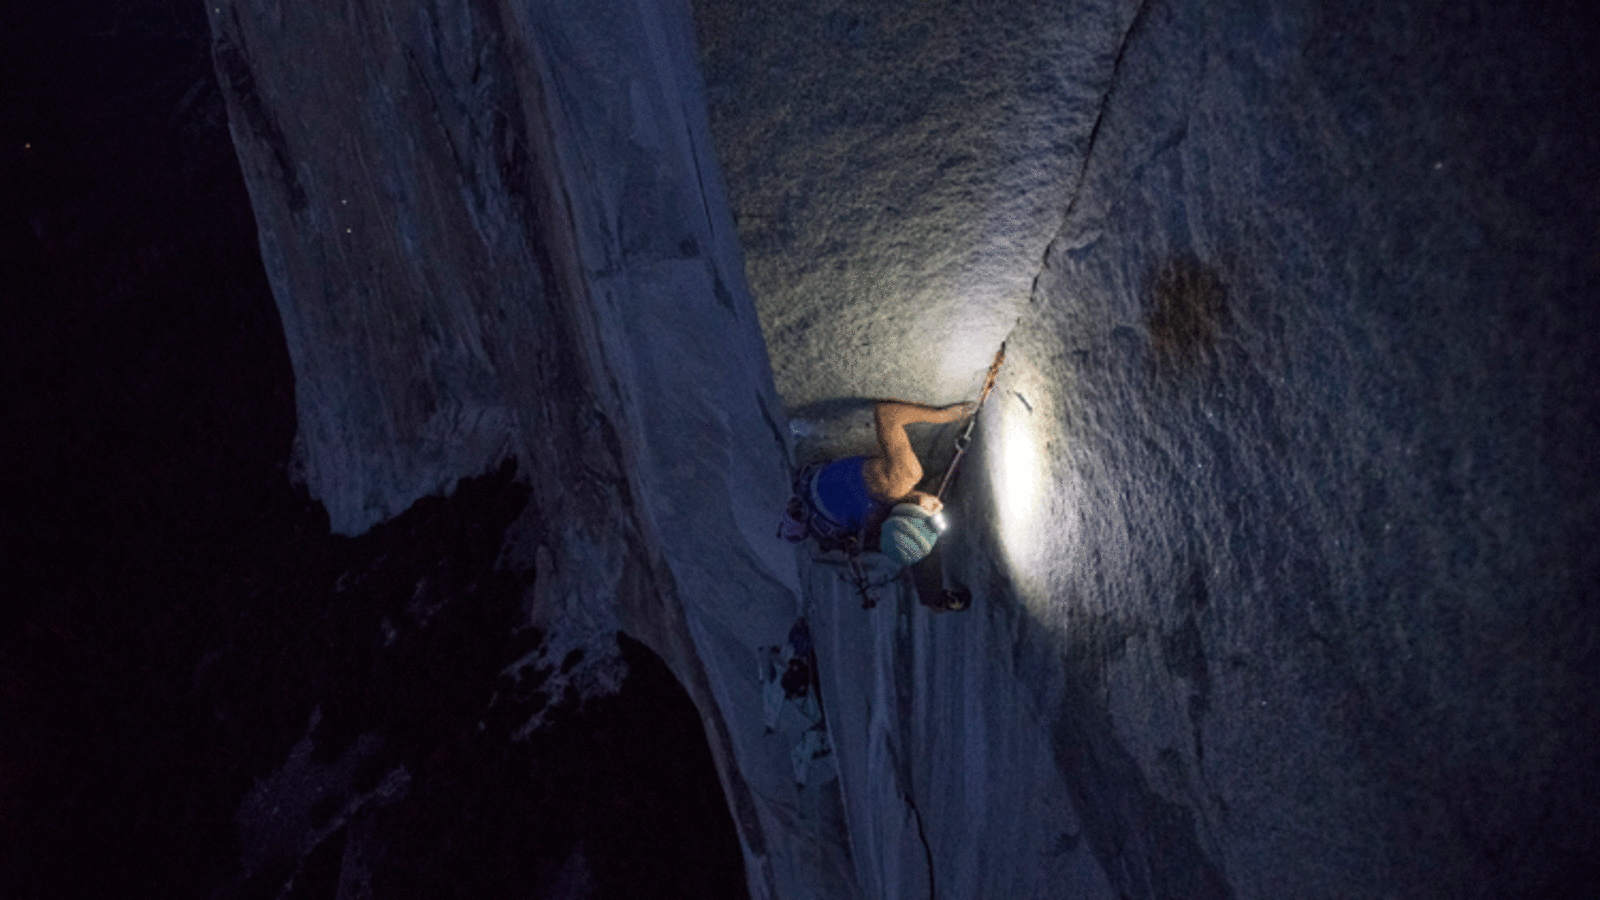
(894, 473)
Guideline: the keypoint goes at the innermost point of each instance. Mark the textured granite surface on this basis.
(1290, 479)
(498, 230)
(1277, 525)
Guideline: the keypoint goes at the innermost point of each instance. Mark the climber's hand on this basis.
(955, 412)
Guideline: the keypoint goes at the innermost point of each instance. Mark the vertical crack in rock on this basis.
(772, 423)
(1183, 652)
(700, 178)
(903, 788)
(922, 835)
(437, 116)
(1105, 102)
(1146, 844)
(240, 82)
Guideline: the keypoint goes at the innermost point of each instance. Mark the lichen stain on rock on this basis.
(1186, 305)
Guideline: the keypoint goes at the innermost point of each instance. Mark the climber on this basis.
(842, 502)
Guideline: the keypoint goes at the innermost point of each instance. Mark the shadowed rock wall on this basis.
(496, 230)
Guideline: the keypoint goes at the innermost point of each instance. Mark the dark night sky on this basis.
(173, 609)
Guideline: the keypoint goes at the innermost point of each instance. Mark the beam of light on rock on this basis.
(1015, 476)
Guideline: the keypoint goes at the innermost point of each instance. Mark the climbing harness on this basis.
(802, 520)
(864, 584)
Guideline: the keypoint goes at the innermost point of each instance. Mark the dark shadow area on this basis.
(179, 629)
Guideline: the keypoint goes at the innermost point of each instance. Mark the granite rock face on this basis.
(498, 230)
(1322, 340)
(1281, 566)
(1277, 526)
(898, 170)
